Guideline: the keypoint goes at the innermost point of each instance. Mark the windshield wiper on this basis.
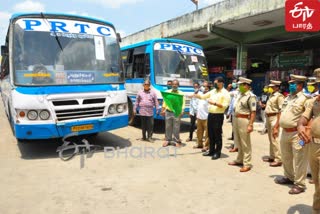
(55, 34)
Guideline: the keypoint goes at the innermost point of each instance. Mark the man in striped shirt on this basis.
(146, 100)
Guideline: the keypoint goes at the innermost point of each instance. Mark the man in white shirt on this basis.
(193, 111)
(202, 116)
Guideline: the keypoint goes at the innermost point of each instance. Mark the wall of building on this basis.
(221, 12)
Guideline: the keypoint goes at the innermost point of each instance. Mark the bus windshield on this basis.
(178, 61)
(49, 52)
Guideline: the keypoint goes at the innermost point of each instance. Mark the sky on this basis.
(128, 16)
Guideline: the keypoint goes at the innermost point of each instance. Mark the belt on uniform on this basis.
(294, 129)
(271, 114)
(242, 116)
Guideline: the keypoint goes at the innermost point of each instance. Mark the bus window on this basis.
(139, 62)
(147, 64)
(186, 67)
(141, 66)
(138, 67)
(127, 58)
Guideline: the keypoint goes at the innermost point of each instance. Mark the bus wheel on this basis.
(131, 115)
(92, 135)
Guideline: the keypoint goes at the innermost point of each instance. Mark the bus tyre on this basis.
(131, 115)
(93, 135)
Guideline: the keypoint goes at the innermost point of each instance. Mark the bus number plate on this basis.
(81, 128)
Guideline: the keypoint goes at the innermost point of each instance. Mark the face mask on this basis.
(201, 88)
(242, 89)
(234, 85)
(174, 88)
(215, 85)
(292, 88)
(311, 88)
(265, 90)
(169, 86)
(270, 90)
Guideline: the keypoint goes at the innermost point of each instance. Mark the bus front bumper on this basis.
(49, 131)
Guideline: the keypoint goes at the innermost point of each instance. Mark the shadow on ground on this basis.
(159, 125)
(299, 208)
(42, 149)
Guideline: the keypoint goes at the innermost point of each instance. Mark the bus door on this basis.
(137, 68)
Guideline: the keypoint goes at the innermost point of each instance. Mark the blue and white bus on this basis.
(62, 74)
(161, 60)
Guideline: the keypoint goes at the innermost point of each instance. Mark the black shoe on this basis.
(208, 154)
(215, 156)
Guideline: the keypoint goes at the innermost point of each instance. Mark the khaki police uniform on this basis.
(294, 156)
(313, 81)
(313, 112)
(245, 104)
(273, 108)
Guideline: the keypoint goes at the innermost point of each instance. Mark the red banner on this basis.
(302, 15)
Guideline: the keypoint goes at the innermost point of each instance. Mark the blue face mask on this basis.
(234, 85)
(292, 88)
(169, 86)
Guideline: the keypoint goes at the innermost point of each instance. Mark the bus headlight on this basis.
(44, 115)
(32, 115)
(120, 108)
(112, 109)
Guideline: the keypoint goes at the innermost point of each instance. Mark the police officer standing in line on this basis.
(312, 112)
(312, 87)
(245, 114)
(294, 155)
(273, 108)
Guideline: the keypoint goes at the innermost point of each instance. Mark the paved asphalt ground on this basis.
(35, 180)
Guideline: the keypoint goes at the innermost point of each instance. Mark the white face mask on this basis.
(174, 88)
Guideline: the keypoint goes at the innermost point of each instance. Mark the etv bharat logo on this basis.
(302, 15)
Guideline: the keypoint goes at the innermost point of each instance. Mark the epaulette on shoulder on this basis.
(252, 94)
(308, 96)
(280, 94)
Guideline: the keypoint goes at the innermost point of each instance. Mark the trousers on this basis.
(294, 158)
(172, 127)
(147, 126)
(214, 124)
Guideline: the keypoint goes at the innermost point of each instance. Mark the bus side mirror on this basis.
(119, 37)
(4, 50)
